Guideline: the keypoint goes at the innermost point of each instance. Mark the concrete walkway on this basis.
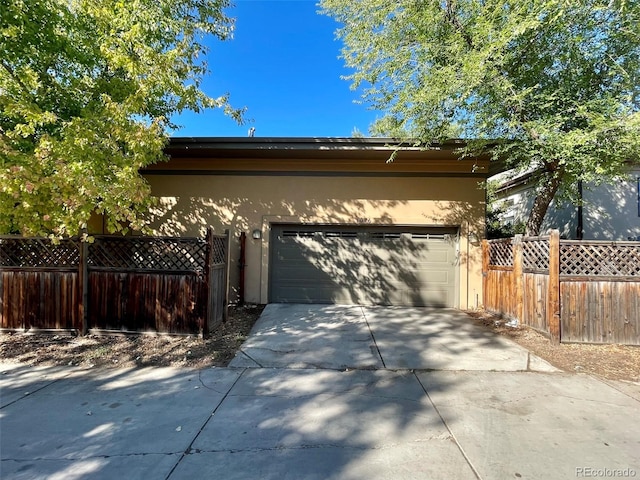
(339, 414)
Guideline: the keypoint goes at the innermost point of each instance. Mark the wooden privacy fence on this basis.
(134, 284)
(576, 291)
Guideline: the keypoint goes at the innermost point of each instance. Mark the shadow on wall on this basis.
(175, 216)
(559, 216)
(471, 219)
(365, 270)
(612, 212)
(608, 213)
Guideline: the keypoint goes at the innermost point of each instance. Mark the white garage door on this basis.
(363, 265)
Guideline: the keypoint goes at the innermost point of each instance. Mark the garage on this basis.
(331, 220)
(367, 265)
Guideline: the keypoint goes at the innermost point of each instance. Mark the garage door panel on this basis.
(436, 277)
(301, 294)
(426, 253)
(315, 276)
(362, 265)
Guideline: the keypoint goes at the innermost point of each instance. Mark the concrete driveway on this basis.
(333, 393)
(353, 337)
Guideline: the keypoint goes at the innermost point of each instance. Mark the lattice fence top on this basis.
(597, 259)
(501, 253)
(148, 253)
(219, 250)
(535, 254)
(173, 254)
(39, 253)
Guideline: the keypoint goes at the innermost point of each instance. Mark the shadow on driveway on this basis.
(346, 417)
(345, 337)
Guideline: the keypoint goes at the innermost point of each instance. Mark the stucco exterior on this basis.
(348, 185)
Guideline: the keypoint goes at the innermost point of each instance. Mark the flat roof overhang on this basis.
(190, 155)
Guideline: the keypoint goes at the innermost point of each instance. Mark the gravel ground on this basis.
(133, 350)
(615, 362)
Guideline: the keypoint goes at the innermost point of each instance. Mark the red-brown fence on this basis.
(576, 291)
(162, 284)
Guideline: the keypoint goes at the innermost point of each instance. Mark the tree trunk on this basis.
(550, 184)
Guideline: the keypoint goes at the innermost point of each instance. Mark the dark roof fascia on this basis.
(312, 149)
(309, 147)
(308, 143)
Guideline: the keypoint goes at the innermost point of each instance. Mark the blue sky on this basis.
(283, 65)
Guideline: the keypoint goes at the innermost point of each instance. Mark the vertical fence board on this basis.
(518, 296)
(32, 299)
(604, 312)
(122, 283)
(606, 307)
(632, 317)
(20, 301)
(224, 295)
(535, 301)
(83, 288)
(485, 271)
(2, 301)
(553, 300)
(11, 319)
(632, 322)
(570, 301)
(209, 321)
(586, 292)
(57, 301)
(61, 303)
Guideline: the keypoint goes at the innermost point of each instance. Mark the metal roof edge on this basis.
(308, 143)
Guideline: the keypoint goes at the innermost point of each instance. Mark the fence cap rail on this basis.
(76, 238)
(149, 238)
(624, 243)
(542, 238)
(500, 240)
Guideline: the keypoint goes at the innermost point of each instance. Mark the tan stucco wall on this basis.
(190, 203)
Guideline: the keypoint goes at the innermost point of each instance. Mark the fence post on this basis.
(518, 278)
(208, 272)
(83, 287)
(553, 297)
(485, 271)
(227, 263)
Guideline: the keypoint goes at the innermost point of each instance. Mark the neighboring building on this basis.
(608, 212)
(329, 220)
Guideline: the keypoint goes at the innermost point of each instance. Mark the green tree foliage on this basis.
(87, 91)
(551, 85)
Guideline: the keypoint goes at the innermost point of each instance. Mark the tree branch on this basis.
(451, 17)
(550, 185)
(20, 83)
(13, 76)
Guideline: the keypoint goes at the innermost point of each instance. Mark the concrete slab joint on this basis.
(325, 392)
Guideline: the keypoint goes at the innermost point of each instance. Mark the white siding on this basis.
(610, 212)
